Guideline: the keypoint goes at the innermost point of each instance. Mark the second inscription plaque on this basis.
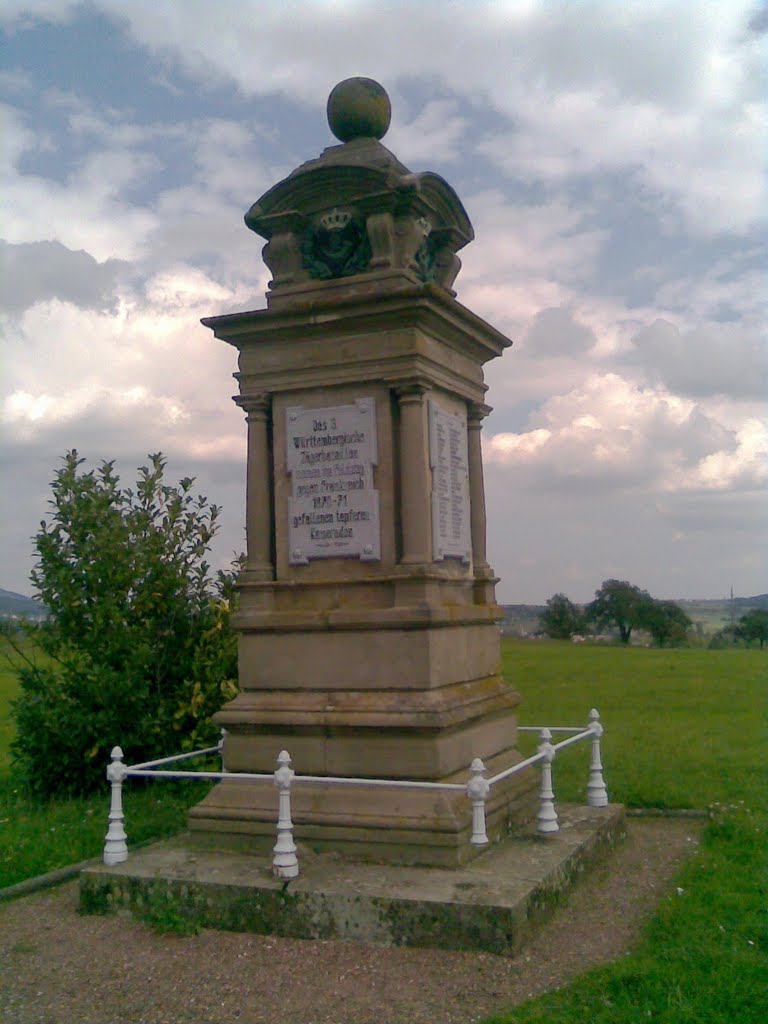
(451, 537)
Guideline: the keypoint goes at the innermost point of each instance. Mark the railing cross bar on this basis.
(175, 757)
(572, 739)
(533, 759)
(151, 773)
(552, 728)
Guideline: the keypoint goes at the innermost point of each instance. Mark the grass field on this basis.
(684, 728)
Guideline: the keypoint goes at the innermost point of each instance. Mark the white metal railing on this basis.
(285, 862)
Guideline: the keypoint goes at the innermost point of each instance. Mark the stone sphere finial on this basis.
(359, 108)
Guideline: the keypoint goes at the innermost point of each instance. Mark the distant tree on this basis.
(562, 618)
(138, 649)
(725, 637)
(754, 626)
(666, 622)
(620, 604)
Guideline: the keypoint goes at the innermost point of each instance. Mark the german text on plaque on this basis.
(451, 537)
(333, 509)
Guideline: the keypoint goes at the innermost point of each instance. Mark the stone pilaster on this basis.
(414, 476)
(259, 527)
(475, 416)
(484, 575)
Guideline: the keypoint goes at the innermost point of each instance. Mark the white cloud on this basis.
(745, 467)
(435, 134)
(527, 257)
(611, 434)
(151, 370)
(669, 93)
(731, 287)
(87, 211)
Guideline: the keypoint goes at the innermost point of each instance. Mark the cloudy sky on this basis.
(609, 154)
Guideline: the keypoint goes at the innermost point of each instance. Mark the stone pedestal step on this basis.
(490, 904)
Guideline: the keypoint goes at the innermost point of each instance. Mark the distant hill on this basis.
(17, 606)
(714, 614)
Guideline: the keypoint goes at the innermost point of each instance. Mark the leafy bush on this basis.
(137, 649)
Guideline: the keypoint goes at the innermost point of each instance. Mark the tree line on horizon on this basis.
(621, 606)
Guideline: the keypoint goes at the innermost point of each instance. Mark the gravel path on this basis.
(59, 968)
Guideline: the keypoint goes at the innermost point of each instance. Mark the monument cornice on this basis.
(402, 617)
(426, 307)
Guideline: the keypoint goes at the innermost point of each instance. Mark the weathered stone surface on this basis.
(358, 108)
(368, 623)
(492, 904)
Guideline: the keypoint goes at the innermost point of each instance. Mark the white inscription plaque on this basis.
(333, 509)
(451, 536)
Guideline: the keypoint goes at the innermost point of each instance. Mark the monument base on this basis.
(356, 683)
(365, 823)
(492, 904)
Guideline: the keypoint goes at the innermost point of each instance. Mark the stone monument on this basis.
(368, 636)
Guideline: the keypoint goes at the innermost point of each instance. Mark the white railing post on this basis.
(285, 863)
(546, 820)
(478, 789)
(597, 794)
(220, 746)
(115, 847)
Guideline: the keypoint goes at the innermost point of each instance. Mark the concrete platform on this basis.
(491, 904)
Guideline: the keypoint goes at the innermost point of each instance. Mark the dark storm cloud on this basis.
(555, 331)
(34, 272)
(717, 359)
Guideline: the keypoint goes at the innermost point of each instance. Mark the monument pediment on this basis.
(357, 210)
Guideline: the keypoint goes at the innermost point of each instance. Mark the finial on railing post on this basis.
(115, 847)
(478, 789)
(597, 794)
(546, 820)
(285, 863)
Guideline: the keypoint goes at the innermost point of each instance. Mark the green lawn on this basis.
(684, 728)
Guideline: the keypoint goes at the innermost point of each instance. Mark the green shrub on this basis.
(137, 651)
